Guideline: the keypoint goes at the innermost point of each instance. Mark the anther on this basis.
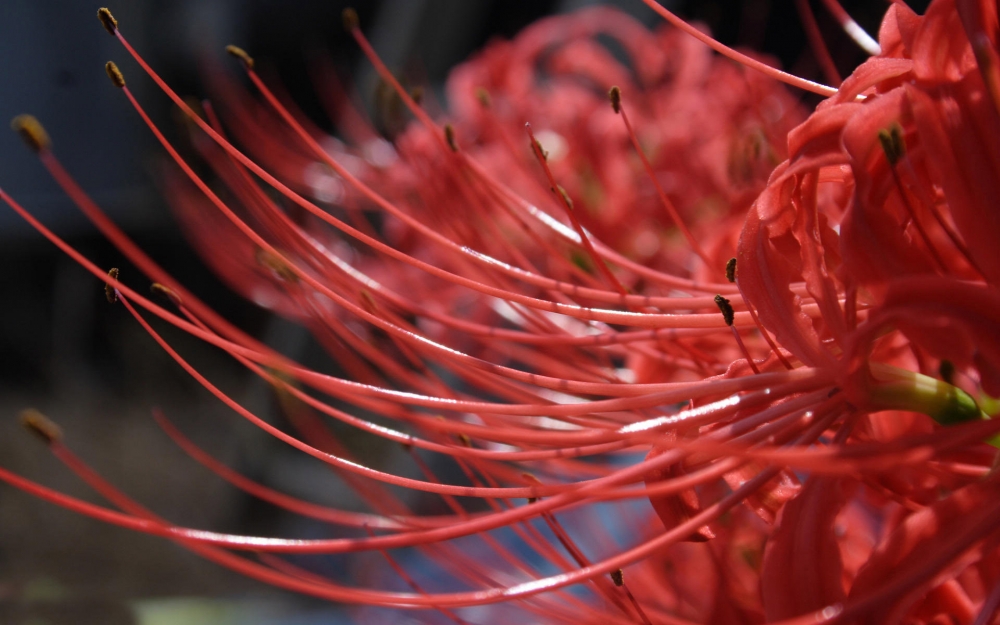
(417, 94)
(565, 196)
(41, 426)
(350, 18)
(183, 119)
(731, 269)
(542, 153)
(892, 143)
(615, 95)
(726, 308)
(31, 132)
(167, 292)
(618, 577)
(114, 74)
(947, 371)
(280, 378)
(727, 313)
(368, 302)
(110, 292)
(534, 480)
(449, 136)
(484, 97)
(109, 21)
(241, 54)
(277, 265)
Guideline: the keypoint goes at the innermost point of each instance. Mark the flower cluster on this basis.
(707, 356)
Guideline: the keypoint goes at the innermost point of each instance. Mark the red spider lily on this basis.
(880, 217)
(546, 309)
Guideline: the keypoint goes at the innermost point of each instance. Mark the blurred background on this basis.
(87, 365)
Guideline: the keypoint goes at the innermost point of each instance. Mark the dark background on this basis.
(86, 364)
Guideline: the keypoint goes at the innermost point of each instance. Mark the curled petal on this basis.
(912, 556)
(802, 562)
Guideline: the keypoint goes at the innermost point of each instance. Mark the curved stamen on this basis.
(742, 59)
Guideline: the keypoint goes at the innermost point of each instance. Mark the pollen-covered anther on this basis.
(280, 377)
(368, 302)
(542, 153)
(241, 54)
(618, 577)
(449, 136)
(41, 426)
(350, 19)
(615, 96)
(167, 292)
(726, 308)
(277, 265)
(182, 118)
(893, 143)
(731, 269)
(484, 97)
(110, 292)
(531, 479)
(564, 195)
(946, 371)
(108, 20)
(31, 131)
(114, 74)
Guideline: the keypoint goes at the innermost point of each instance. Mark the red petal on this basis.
(802, 564)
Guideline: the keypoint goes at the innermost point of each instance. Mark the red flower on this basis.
(880, 216)
(553, 302)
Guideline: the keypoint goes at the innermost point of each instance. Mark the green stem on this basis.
(901, 389)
